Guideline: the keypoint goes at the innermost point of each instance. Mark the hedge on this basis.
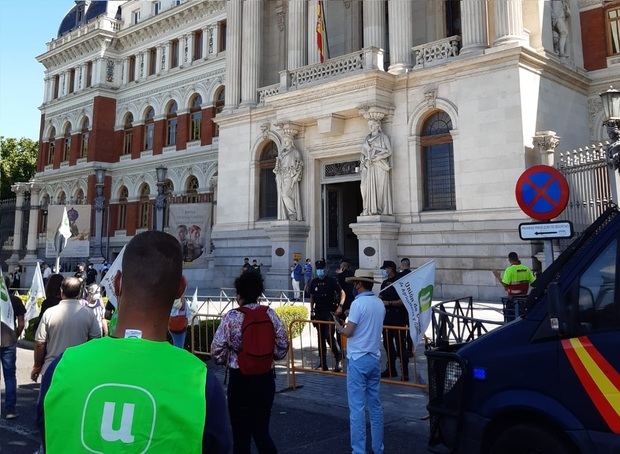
(290, 313)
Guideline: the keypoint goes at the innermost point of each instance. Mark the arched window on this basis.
(219, 106)
(62, 198)
(128, 134)
(66, 149)
(123, 194)
(438, 163)
(85, 137)
(195, 112)
(268, 203)
(79, 197)
(192, 189)
(51, 147)
(144, 206)
(171, 124)
(149, 128)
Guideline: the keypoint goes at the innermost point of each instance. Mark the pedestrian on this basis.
(52, 293)
(12, 313)
(94, 302)
(177, 325)
(65, 325)
(91, 275)
(247, 341)
(516, 281)
(394, 341)
(307, 275)
(342, 274)
(256, 267)
(325, 297)
(47, 272)
(17, 278)
(296, 277)
(80, 273)
(136, 393)
(363, 333)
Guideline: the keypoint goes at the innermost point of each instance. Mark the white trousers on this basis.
(295, 288)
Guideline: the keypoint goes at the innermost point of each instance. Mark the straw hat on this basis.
(362, 275)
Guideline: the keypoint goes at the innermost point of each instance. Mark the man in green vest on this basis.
(136, 393)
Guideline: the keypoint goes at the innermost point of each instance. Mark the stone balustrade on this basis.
(102, 23)
(269, 90)
(436, 52)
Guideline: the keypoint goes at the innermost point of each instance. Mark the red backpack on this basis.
(257, 341)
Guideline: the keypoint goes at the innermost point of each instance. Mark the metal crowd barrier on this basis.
(304, 352)
(203, 328)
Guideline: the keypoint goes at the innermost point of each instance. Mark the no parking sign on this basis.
(542, 192)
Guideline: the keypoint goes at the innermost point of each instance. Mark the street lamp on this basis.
(160, 200)
(611, 108)
(99, 204)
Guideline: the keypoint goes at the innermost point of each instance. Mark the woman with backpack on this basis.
(247, 341)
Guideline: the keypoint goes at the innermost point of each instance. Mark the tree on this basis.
(18, 161)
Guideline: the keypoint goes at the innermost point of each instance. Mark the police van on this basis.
(549, 381)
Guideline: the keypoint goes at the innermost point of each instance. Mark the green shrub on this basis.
(31, 329)
(203, 334)
(290, 313)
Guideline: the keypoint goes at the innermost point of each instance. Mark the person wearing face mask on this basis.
(325, 296)
(395, 315)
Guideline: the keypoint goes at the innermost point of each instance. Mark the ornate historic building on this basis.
(402, 137)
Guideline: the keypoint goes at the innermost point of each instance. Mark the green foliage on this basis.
(203, 334)
(290, 313)
(18, 159)
(31, 329)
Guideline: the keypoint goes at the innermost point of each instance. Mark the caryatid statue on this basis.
(560, 14)
(375, 167)
(289, 169)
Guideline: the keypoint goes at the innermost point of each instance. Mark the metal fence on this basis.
(588, 177)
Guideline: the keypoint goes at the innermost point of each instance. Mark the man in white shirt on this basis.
(47, 272)
(363, 330)
(65, 325)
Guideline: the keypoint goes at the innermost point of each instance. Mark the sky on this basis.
(25, 27)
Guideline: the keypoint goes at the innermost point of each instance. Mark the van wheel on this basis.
(529, 439)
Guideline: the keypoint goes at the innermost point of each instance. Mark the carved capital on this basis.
(289, 129)
(545, 142)
(375, 113)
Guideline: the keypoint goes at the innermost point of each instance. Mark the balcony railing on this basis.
(436, 52)
(100, 23)
(269, 90)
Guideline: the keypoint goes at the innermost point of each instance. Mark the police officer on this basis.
(325, 297)
(394, 341)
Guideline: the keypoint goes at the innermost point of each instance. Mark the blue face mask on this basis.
(384, 273)
(320, 273)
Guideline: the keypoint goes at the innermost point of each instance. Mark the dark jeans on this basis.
(8, 357)
(327, 336)
(395, 343)
(250, 398)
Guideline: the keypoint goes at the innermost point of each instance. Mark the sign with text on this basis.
(78, 244)
(545, 230)
(190, 223)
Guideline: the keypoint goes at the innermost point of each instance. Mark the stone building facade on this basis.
(453, 91)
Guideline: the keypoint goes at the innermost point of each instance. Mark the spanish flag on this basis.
(321, 32)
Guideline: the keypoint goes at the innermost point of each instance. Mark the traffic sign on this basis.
(542, 192)
(545, 230)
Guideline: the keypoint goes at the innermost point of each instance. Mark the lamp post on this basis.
(160, 200)
(611, 109)
(99, 204)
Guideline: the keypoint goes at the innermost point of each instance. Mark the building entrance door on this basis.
(342, 203)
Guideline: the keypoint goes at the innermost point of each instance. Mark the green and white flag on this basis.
(37, 290)
(416, 292)
(7, 317)
(63, 233)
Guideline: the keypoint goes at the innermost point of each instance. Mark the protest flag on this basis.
(37, 290)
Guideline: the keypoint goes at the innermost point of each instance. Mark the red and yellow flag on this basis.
(321, 32)
(599, 378)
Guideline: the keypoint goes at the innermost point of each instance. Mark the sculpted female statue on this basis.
(288, 170)
(375, 169)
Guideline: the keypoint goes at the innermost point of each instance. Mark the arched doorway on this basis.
(268, 190)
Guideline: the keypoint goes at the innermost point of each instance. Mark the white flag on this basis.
(7, 316)
(416, 292)
(106, 282)
(63, 233)
(37, 290)
(193, 305)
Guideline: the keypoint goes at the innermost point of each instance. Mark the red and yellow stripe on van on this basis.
(600, 380)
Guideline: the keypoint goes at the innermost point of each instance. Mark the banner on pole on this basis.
(78, 229)
(37, 290)
(416, 292)
(190, 223)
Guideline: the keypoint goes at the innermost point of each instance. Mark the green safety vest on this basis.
(126, 396)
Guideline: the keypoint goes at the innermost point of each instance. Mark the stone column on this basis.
(509, 23)
(189, 48)
(378, 238)
(77, 80)
(158, 55)
(33, 223)
(474, 25)
(313, 50)
(252, 45)
(374, 23)
(288, 238)
(215, 45)
(47, 89)
(400, 15)
(141, 69)
(233, 53)
(297, 35)
(125, 71)
(19, 190)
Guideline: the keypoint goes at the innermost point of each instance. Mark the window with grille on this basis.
(195, 118)
(149, 128)
(66, 149)
(85, 138)
(144, 207)
(613, 31)
(268, 196)
(438, 163)
(171, 124)
(121, 224)
(128, 134)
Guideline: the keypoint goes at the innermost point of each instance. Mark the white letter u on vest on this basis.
(124, 433)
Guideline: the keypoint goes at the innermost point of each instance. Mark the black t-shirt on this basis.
(8, 336)
(325, 294)
(347, 287)
(91, 276)
(394, 316)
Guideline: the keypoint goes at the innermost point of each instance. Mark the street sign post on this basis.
(545, 230)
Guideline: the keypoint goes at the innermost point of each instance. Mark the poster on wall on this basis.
(190, 223)
(78, 244)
